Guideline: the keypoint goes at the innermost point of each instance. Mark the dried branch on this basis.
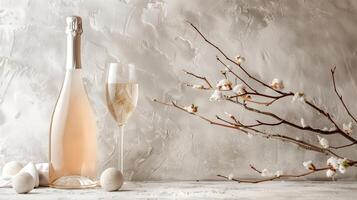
(236, 75)
(202, 117)
(340, 96)
(255, 169)
(283, 121)
(244, 129)
(201, 88)
(328, 116)
(283, 176)
(232, 61)
(199, 77)
(268, 99)
(342, 146)
(339, 131)
(300, 143)
(260, 123)
(275, 177)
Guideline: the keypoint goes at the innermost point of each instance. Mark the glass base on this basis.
(73, 182)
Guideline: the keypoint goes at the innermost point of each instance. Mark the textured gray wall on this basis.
(295, 40)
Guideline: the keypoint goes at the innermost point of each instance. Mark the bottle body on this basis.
(73, 140)
(73, 137)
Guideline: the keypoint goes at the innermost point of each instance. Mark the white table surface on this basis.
(202, 190)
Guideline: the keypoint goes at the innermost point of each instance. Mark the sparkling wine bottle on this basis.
(73, 145)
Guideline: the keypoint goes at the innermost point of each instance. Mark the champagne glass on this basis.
(122, 95)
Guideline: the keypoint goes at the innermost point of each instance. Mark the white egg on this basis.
(111, 179)
(31, 169)
(42, 169)
(23, 182)
(11, 168)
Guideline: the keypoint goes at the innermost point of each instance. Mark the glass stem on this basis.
(121, 149)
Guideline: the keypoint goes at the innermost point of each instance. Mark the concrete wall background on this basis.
(297, 41)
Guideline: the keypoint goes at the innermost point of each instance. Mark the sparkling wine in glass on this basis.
(121, 92)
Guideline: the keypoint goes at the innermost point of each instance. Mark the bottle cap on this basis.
(74, 25)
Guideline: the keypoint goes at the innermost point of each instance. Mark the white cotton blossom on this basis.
(224, 84)
(230, 176)
(342, 161)
(239, 59)
(347, 128)
(216, 96)
(277, 84)
(342, 165)
(191, 109)
(197, 86)
(302, 121)
(241, 90)
(279, 173)
(332, 162)
(323, 142)
(266, 173)
(299, 97)
(228, 114)
(342, 169)
(308, 165)
(330, 173)
(337, 164)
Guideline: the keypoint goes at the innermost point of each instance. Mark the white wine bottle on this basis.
(73, 144)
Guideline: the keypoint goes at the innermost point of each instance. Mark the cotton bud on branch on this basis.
(302, 121)
(191, 109)
(266, 173)
(224, 84)
(330, 173)
(279, 173)
(239, 59)
(241, 91)
(309, 165)
(323, 142)
(347, 128)
(277, 84)
(197, 86)
(230, 176)
(298, 97)
(216, 96)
